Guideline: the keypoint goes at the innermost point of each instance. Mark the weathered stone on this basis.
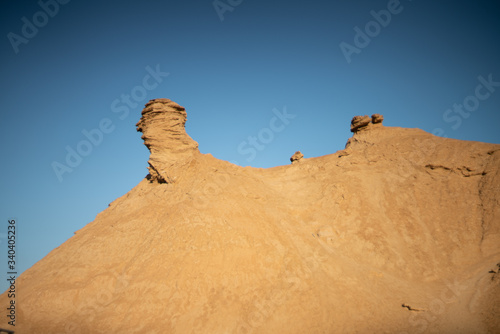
(296, 157)
(358, 122)
(163, 127)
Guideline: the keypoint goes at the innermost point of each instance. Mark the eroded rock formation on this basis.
(360, 123)
(296, 157)
(163, 127)
(398, 233)
(377, 118)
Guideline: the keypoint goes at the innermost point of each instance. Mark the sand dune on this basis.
(397, 233)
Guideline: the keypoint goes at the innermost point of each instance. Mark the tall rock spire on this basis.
(163, 127)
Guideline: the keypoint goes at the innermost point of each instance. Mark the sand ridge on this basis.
(397, 233)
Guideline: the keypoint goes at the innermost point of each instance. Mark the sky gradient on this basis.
(71, 67)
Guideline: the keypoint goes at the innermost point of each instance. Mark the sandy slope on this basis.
(398, 233)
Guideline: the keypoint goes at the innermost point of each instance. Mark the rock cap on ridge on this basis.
(296, 157)
(360, 123)
(163, 127)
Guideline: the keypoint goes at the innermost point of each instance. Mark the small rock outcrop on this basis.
(164, 134)
(359, 123)
(377, 118)
(296, 157)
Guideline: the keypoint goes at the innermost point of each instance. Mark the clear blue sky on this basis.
(230, 67)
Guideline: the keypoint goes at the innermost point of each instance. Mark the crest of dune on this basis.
(397, 233)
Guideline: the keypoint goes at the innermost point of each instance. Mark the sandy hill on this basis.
(397, 233)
